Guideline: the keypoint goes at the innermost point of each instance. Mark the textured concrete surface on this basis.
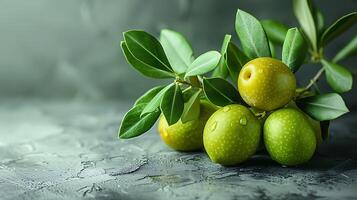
(70, 150)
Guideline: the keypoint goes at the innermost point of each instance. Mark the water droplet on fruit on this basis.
(243, 121)
(226, 109)
(214, 126)
(233, 124)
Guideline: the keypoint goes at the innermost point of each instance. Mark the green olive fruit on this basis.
(315, 124)
(231, 135)
(186, 136)
(289, 137)
(266, 83)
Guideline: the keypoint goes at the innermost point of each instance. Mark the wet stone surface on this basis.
(70, 150)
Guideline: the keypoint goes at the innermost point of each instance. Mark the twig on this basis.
(184, 82)
(193, 82)
(314, 79)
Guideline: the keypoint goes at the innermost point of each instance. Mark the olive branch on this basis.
(209, 76)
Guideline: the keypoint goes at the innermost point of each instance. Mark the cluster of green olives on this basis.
(232, 134)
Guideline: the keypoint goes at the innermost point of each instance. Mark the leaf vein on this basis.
(153, 55)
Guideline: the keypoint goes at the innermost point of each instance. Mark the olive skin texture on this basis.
(186, 136)
(315, 124)
(266, 83)
(289, 137)
(231, 135)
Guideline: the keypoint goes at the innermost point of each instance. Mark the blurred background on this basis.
(69, 49)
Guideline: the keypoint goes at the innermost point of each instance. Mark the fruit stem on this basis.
(261, 115)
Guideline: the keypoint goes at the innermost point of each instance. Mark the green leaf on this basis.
(275, 30)
(272, 49)
(177, 49)
(147, 49)
(191, 109)
(304, 16)
(294, 49)
(319, 20)
(337, 28)
(149, 95)
(338, 77)
(221, 70)
(143, 68)
(252, 35)
(172, 104)
(155, 101)
(323, 107)
(204, 63)
(349, 50)
(235, 60)
(133, 125)
(220, 92)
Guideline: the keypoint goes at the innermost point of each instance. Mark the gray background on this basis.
(70, 48)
